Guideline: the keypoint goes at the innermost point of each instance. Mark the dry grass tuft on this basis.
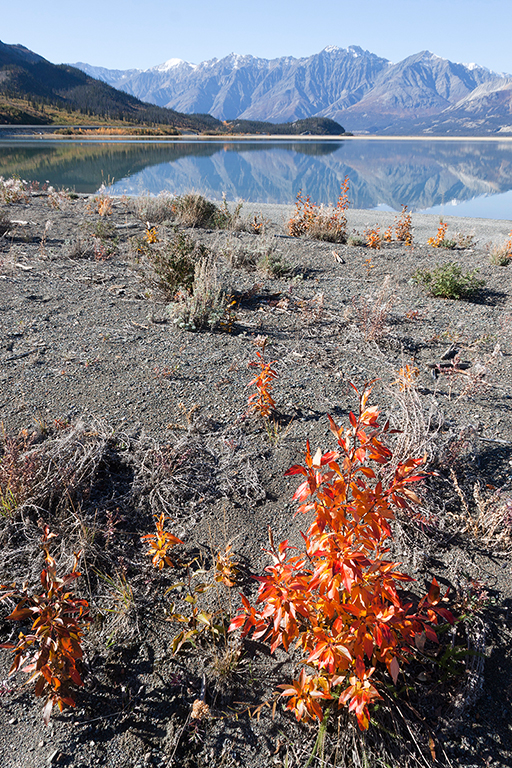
(238, 256)
(194, 210)
(155, 209)
(417, 425)
(372, 313)
(98, 490)
(491, 520)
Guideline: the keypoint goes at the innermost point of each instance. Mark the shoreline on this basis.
(41, 132)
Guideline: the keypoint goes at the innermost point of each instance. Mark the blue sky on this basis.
(142, 33)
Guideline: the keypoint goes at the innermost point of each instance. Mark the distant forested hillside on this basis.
(29, 78)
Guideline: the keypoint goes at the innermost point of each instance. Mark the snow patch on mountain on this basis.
(170, 64)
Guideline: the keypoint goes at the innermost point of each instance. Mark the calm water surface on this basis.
(462, 177)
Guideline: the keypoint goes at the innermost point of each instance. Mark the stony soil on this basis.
(86, 340)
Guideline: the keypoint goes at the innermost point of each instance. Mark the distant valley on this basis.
(423, 94)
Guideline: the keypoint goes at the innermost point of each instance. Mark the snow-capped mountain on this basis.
(359, 89)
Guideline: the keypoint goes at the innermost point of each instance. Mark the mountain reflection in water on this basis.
(422, 174)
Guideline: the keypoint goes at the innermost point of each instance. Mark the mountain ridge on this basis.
(363, 91)
(35, 91)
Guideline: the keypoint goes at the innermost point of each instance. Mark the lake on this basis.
(459, 177)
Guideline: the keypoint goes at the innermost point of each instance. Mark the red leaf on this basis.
(20, 613)
(368, 645)
(329, 457)
(67, 700)
(434, 592)
(446, 615)
(237, 622)
(394, 669)
(296, 470)
(75, 676)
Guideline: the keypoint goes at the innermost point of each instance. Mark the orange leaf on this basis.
(394, 669)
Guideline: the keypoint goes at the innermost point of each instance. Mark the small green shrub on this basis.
(226, 219)
(270, 260)
(356, 240)
(237, 256)
(274, 265)
(208, 306)
(173, 262)
(261, 254)
(447, 281)
(104, 230)
(194, 210)
(448, 244)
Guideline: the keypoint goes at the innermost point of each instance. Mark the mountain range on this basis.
(35, 91)
(364, 92)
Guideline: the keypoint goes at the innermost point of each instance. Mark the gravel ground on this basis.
(86, 340)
